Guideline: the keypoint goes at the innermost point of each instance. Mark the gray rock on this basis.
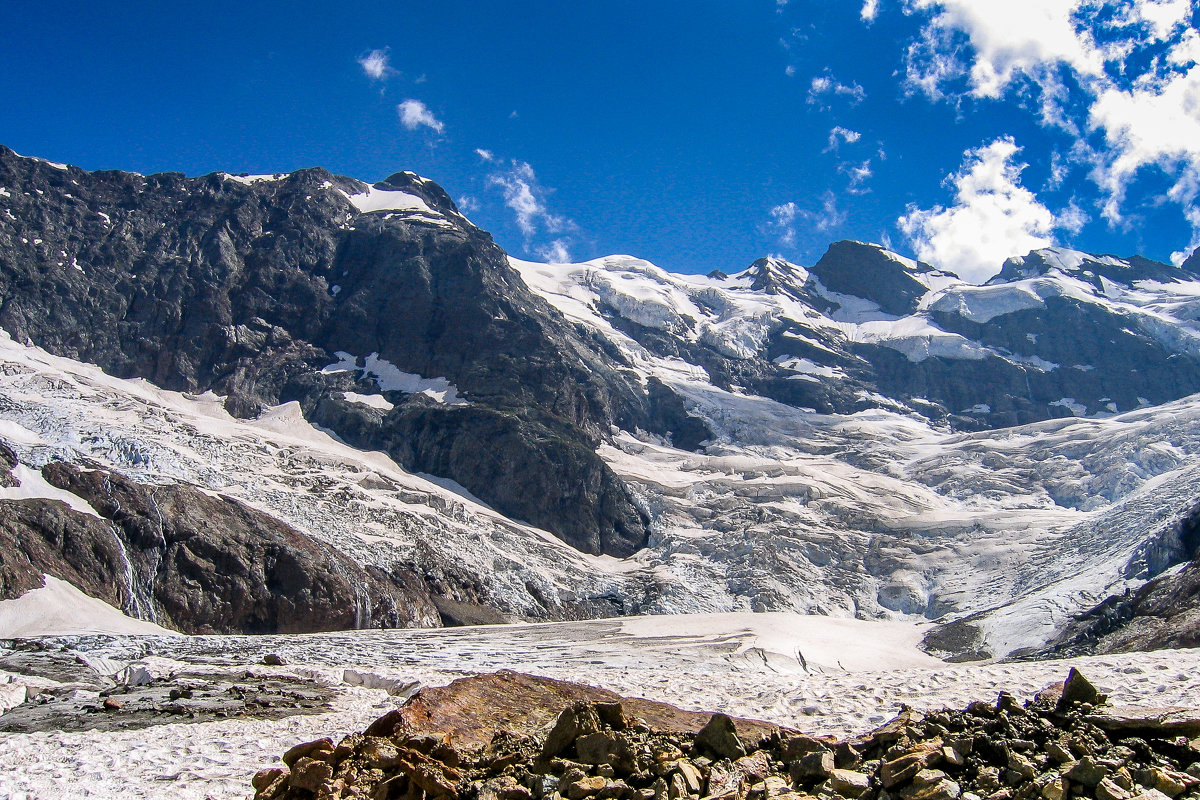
(720, 738)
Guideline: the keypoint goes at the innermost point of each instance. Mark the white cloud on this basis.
(1156, 122)
(829, 217)
(1007, 37)
(838, 134)
(789, 70)
(859, 175)
(415, 114)
(1193, 217)
(784, 219)
(825, 86)
(485, 155)
(468, 204)
(375, 65)
(994, 216)
(1122, 78)
(555, 253)
(870, 10)
(783, 222)
(526, 198)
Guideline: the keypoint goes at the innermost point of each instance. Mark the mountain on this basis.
(356, 379)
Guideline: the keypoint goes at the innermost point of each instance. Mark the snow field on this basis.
(742, 664)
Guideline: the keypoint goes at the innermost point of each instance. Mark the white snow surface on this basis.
(373, 199)
(741, 664)
(391, 379)
(59, 609)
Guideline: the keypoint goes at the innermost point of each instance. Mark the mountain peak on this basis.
(1091, 268)
(893, 282)
(776, 276)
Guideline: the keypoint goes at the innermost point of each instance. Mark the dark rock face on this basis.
(866, 271)
(248, 288)
(210, 564)
(1163, 613)
(39, 537)
(196, 563)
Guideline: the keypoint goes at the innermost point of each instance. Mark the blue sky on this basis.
(699, 135)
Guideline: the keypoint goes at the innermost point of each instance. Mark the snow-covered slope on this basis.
(864, 437)
(873, 515)
(884, 510)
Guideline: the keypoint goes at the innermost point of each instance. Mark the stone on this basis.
(691, 776)
(793, 747)
(1076, 690)
(753, 768)
(720, 738)
(1087, 772)
(942, 789)
(812, 767)
(313, 749)
(309, 774)
(1021, 765)
(265, 777)
(928, 777)
(600, 747)
(849, 783)
(1059, 753)
(612, 716)
(902, 769)
(1055, 789)
(586, 787)
(1169, 782)
(1107, 789)
(273, 660)
(111, 704)
(1147, 721)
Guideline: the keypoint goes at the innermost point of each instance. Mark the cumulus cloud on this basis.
(825, 87)
(375, 64)
(870, 10)
(1007, 37)
(1156, 122)
(414, 114)
(1122, 78)
(839, 134)
(993, 216)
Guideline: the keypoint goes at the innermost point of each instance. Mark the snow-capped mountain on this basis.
(487, 438)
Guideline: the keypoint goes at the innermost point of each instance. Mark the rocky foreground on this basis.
(499, 737)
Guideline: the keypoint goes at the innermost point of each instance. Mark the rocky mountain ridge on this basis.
(868, 437)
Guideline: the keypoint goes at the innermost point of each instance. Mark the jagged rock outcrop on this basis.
(196, 563)
(249, 287)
